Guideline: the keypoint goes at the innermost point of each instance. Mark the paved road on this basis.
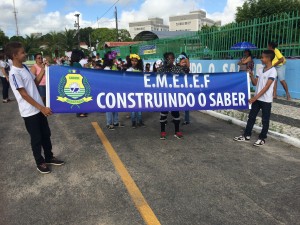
(204, 179)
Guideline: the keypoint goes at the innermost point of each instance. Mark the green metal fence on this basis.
(215, 43)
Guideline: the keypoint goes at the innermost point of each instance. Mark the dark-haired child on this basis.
(262, 100)
(279, 62)
(112, 118)
(24, 86)
(169, 67)
(136, 66)
(184, 62)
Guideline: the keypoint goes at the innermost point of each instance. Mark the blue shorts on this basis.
(280, 72)
(42, 90)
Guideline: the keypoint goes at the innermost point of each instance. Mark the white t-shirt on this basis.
(2, 65)
(263, 78)
(132, 70)
(83, 62)
(23, 78)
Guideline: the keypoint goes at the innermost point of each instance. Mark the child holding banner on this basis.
(112, 118)
(32, 109)
(262, 99)
(169, 67)
(136, 66)
(76, 57)
(184, 62)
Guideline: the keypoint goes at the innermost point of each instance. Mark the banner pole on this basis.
(249, 91)
(47, 87)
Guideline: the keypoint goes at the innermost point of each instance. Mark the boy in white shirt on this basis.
(31, 107)
(262, 99)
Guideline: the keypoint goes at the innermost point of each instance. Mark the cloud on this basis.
(158, 8)
(228, 14)
(164, 9)
(25, 10)
(122, 2)
(32, 16)
(34, 19)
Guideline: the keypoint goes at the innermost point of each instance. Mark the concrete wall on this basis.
(215, 66)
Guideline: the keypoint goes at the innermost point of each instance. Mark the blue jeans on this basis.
(112, 118)
(265, 107)
(186, 116)
(136, 115)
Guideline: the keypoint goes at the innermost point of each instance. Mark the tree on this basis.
(31, 44)
(69, 41)
(124, 35)
(252, 9)
(103, 35)
(53, 43)
(17, 38)
(3, 39)
(85, 34)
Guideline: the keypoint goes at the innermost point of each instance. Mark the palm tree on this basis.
(53, 42)
(69, 41)
(31, 44)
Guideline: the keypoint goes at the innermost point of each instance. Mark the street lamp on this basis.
(77, 25)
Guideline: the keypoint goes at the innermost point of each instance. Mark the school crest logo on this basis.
(74, 89)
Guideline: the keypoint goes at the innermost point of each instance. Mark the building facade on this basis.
(194, 21)
(152, 24)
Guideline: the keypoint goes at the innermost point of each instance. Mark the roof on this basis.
(117, 44)
(152, 35)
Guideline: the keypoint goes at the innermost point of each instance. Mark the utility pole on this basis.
(77, 25)
(16, 19)
(90, 44)
(117, 29)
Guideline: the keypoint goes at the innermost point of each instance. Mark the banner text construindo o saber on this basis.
(72, 90)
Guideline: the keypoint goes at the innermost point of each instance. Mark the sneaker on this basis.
(242, 138)
(54, 161)
(259, 142)
(5, 100)
(43, 168)
(133, 125)
(141, 124)
(119, 125)
(163, 135)
(110, 127)
(185, 123)
(178, 135)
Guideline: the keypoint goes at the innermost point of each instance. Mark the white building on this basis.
(152, 24)
(194, 21)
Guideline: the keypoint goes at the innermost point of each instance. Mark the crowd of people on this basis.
(28, 86)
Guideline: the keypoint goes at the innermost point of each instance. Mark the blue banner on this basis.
(77, 90)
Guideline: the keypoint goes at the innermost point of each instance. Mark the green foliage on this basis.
(253, 9)
(107, 35)
(69, 41)
(56, 43)
(17, 38)
(3, 39)
(85, 34)
(87, 87)
(61, 86)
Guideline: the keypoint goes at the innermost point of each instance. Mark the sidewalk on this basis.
(285, 117)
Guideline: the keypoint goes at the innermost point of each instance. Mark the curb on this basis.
(278, 136)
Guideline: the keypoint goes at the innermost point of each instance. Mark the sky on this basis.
(45, 16)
